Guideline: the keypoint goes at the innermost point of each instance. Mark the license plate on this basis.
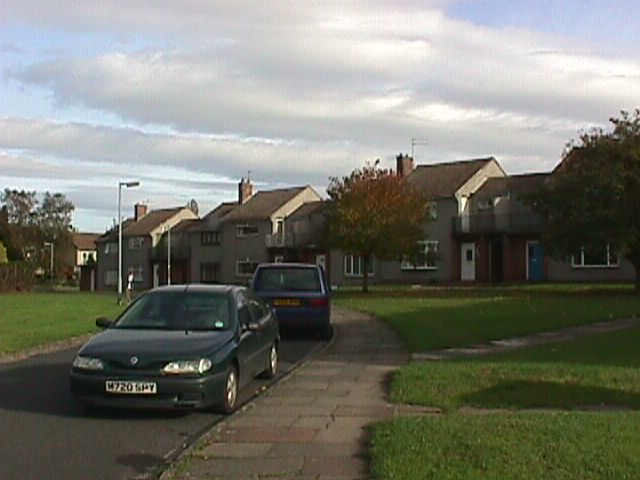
(286, 302)
(132, 388)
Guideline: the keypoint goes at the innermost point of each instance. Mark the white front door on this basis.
(468, 262)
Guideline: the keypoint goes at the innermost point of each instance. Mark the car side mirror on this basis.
(103, 322)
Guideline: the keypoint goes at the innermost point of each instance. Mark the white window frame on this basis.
(485, 204)
(432, 208)
(137, 273)
(111, 248)
(246, 260)
(613, 260)
(135, 243)
(353, 266)
(241, 230)
(210, 237)
(428, 246)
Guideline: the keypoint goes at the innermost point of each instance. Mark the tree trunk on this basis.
(365, 273)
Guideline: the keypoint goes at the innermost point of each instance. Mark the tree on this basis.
(19, 207)
(26, 224)
(54, 214)
(375, 213)
(590, 199)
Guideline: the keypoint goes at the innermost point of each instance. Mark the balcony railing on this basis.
(290, 240)
(515, 223)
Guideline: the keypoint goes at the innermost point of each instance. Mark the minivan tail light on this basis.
(318, 302)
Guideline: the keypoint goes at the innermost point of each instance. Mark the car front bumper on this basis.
(172, 392)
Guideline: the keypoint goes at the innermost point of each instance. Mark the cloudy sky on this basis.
(187, 96)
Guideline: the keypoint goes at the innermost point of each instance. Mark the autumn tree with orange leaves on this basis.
(375, 213)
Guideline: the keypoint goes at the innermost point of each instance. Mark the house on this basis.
(230, 241)
(85, 257)
(205, 242)
(505, 230)
(481, 229)
(142, 248)
(305, 232)
(450, 185)
(508, 231)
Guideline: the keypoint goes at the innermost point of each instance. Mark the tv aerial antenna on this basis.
(416, 141)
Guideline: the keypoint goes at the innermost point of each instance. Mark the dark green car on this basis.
(183, 346)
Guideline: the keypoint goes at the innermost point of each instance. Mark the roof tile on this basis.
(444, 179)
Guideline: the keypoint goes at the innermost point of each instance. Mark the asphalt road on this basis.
(43, 436)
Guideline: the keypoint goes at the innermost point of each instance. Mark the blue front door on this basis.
(535, 263)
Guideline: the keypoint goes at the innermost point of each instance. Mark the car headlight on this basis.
(181, 367)
(88, 363)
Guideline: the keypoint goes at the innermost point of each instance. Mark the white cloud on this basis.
(292, 93)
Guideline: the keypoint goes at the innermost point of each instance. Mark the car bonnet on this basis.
(150, 346)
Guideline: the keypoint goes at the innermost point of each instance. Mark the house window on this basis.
(432, 208)
(210, 238)
(353, 266)
(137, 273)
(485, 204)
(605, 258)
(135, 243)
(111, 277)
(245, 267)
(425, 259)
(111, 248)
(247, 230)
(209, 272)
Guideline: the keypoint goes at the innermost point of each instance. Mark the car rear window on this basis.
(288, 279)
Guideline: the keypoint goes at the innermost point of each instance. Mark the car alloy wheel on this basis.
(230, 398)
(272, 367)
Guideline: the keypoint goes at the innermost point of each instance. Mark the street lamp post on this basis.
(167, 229)
(169, 257)
(120, 185)
(50, 245)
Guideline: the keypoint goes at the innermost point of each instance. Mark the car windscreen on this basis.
(178, 311)
(288, 279)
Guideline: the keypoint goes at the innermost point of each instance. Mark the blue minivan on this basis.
(298, 293)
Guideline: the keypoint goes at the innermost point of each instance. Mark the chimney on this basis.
(404, 165)
(140, 211)
(245, 190)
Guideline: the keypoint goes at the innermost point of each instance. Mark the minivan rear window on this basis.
(289, 279)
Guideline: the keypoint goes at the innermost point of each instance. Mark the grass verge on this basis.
(555, 446)
(432, 319)
(32, 319)
(591, 371)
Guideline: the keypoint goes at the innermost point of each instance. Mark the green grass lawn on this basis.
(537, 426)
(31, 319)
(440, 318)
(557, 446)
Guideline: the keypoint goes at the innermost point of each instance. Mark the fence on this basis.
(17, 276)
